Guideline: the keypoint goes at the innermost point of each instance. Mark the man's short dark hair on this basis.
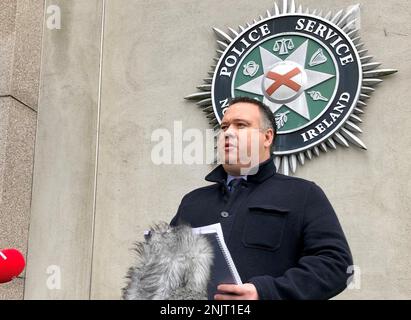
(268, 118)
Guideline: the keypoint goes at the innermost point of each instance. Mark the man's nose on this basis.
(230, 132)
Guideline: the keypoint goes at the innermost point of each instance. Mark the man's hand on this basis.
(236, 292)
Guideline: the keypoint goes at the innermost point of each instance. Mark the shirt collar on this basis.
(231, 178)
(266, 170)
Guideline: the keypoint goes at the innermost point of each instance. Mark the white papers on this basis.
(216, 229)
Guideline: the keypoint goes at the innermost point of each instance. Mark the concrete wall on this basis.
(61, 226)
(119, 69)
(20, 47)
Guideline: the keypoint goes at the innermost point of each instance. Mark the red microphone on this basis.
(12, 263)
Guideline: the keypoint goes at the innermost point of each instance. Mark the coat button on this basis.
(225, 214)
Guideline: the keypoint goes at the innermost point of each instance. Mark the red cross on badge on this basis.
(283, 80)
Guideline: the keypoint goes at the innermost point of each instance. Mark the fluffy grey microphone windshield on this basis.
(172, 264)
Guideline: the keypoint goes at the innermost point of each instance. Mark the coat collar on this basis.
(266, 170)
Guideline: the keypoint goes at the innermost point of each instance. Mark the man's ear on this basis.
(269, 137)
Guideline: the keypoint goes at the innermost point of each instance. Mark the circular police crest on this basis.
(310, 70)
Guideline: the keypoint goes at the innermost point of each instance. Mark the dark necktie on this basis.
(233, 185)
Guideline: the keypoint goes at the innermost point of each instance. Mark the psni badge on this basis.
(310, 69)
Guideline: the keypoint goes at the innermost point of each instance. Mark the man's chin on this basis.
(235, 169)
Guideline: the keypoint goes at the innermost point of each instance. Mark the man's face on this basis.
(242, 142)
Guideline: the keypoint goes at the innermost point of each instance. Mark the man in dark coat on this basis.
(282, 232)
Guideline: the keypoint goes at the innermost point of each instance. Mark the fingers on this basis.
(237, 292)
(227, 297)
(231, 288)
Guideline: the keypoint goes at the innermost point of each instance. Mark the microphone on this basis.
(12, 264)
(172, 263)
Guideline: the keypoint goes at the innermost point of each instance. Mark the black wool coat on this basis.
(282, 232)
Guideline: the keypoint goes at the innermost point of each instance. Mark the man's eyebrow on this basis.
(236, 120)
(241, 120)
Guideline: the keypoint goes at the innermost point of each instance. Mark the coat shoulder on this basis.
(287, 180)
(200, 192)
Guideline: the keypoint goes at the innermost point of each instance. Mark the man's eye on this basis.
(241, 126)
(224, 128)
